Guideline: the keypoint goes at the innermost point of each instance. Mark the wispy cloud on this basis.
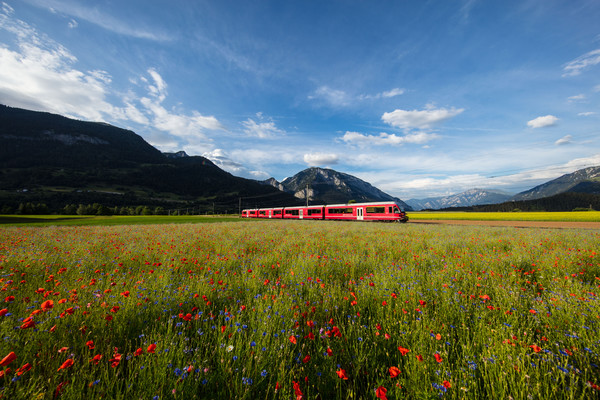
(579, 97)
(340, 98)
(578, 65)
(97, 17)
(386, 139)
(542, 122)
(564, 140)
(262, 128)
(334, 97)
(419, 119)
(587, 113)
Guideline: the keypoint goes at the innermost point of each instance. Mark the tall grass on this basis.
(282, 309)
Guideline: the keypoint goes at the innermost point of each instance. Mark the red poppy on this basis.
(115, 360)
(8, 359)
(293, 339)
(438, 337)
(66, 364)
(151, 348)
(4, 372)
(277, 387)
(381, 393)
(447, 384)
(47, 305)
(342, 374)
(329, 352)
(306, 359)
(536, 348)
(438, 358)
(422, 302)
(28, 323)
(63, 349)
(138, 352)
(403, 351)
(125, 293)
(24, 369)
(394, 372)
(90, 344)
(3, 312)
(96, 359)
(297, 390)
(419, 357)
(9, 299)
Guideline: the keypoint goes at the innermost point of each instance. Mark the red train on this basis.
(377, 211)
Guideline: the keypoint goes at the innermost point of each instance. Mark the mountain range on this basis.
(326, 186)
(55, 160)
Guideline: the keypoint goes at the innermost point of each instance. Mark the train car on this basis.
(270, 212)
(250, 213)
(310, 212)
(375, 211)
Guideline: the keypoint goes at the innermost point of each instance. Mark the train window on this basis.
(291, 212)
(262, 213)
(277, 212)
(340, 210)
(313, 211)
(375, 210)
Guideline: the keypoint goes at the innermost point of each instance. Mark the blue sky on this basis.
(419, 98)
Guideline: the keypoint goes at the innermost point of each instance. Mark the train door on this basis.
(301, 214)
(270, 213)
(359, 213)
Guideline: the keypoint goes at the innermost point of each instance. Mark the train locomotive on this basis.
(375, 211)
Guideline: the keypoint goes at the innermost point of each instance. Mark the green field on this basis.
(579, 216)
(77, 220)
(72, 220)
(299, 309)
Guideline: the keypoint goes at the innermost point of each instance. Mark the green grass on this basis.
(76, 220)
(582, 216)
(237, 310)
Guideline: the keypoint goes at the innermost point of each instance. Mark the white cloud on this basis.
(597, 88)
(581, 63)
(564, 140)
(334, 97)
(542, 122)
(40, 74)
(393, 93)
(578, 97)
(263, 130)
(320, 159)
(73, 24)
(586, 114)
(386, 139)
(419, 119)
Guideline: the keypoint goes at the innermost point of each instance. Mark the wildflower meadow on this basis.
(299, 310)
